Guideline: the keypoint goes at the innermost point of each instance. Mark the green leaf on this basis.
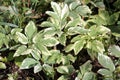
(86, 67)
(71, 57)
(77, 30)
(22, 38)
(56, 23)
(47, 24)
(65, 12)
(7, 29)
(49, 32)
(2, 36)
(114, 50)
(38, 37)
(103, 29)
(92, 54)
(53, 15)
(115, 34)
(43, 49)
(98, 20)
(6, 41)
(2, 65)
(98, 46)
(78, 38)
(63, 77)
(54, 57)
(102, 18)
(74, 15)
(62, 39)
(71, 69)
(50, 41)
(83, 10)
(93, 31)
(2, 29)
(30, 30)
(73, 23)
(100, 4)
(21, 51)
(89, 45)
(104, 15)
(113, 18)
(89, 76)
(8, 24)
(105, 72)
(56, 7)
(78, 45)
(13, 33)
(28, 63)
(3, 59)
(27, 51)
(69, 48)
(49, 70)
(79, 76)
(65, 60)
(65, 69)
(37, 68)
(74, 5)
(35, 53)
(106, 62)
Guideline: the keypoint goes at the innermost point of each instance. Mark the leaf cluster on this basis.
(57, 45)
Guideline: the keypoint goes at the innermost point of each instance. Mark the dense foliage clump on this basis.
(59, 40)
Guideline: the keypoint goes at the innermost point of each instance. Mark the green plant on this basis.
(76, 42)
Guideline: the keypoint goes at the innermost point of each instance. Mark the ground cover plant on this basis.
(59, 40)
